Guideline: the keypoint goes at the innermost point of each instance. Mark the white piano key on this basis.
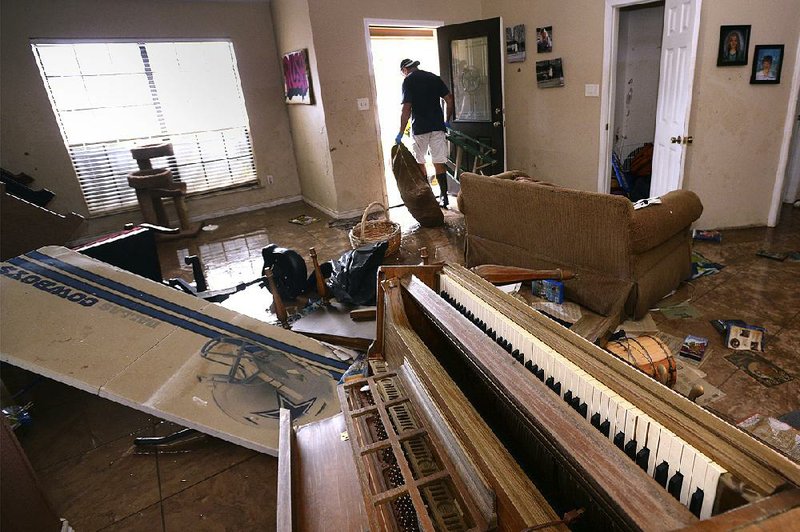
(664, 450)
(698, 478)
(686, 468)
(653, 442)
(713, 472)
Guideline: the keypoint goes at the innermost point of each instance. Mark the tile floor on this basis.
(81, 445)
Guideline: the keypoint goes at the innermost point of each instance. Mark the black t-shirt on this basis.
(423, 91)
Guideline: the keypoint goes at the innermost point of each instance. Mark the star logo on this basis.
(296, 410)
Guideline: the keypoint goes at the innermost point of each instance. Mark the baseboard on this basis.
(334, 214)
(243, 209)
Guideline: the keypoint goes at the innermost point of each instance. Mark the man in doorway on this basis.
(422, 95)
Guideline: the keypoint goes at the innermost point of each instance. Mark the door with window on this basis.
(471, 63)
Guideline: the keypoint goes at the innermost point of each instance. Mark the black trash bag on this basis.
(288, 270)
(355, 275)
(311, 283)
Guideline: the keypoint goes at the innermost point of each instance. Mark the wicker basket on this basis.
(371, 231)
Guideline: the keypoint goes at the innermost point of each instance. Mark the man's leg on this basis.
(419, 147)
(439, 156)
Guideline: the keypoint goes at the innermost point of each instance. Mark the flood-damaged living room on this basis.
(372, 265)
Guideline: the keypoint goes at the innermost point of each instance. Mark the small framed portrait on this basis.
(549, 73)
(544, 39)
(767, 63)
(734, 42)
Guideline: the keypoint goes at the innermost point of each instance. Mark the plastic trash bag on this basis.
(354, 278)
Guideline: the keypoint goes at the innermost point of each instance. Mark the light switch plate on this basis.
(363, 104)
(592, 89)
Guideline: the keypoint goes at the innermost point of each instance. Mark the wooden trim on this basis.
(398, 31)
(758, 512)
(285, 507)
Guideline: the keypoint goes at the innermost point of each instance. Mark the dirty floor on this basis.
(81, 445)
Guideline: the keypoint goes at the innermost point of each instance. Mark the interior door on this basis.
(678, 53)
(471, 63)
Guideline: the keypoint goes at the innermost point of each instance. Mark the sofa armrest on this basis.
(655, 224)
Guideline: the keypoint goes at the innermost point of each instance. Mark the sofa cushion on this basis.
(657, 223)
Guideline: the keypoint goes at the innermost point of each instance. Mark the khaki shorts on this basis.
(435, 141)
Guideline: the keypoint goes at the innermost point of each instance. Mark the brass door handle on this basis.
(676, 140)
(688, 139)
(497, 124)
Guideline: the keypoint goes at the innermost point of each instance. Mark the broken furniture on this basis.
(550, 423)
(622, 257)
(468, 149)
(25, 226)
(152, 185)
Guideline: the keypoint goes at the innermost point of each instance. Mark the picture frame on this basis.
(767, 64)
(734, 45)
(515, 43)
(544, 39)
(550, 73)
(297, 78)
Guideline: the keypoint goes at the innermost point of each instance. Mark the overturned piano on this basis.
(482, 414)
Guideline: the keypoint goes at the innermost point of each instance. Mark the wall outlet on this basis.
(592, 89)
(270, 179)
(363, 104)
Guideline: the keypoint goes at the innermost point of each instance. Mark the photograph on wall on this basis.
(734, 42)
(515, 43)
(549, 73)
(297, 77)
(544, 39)
(767, 64)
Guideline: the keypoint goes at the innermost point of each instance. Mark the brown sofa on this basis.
(626, 259)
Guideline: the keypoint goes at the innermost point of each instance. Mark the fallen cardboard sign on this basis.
(106, 331)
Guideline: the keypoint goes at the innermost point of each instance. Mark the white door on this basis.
(678, 53)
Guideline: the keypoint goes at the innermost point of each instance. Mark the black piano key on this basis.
(662, 473)
(516, 354)
(576, 404)
(630, 449)
(557, 388)
(583, 410)
(619, 440)
(674, 485)
(605, 428)
(568, 396)
(529, 365)
(643, 457)
(540, 374)
(549, 382)
(696, 502)
(595, 421)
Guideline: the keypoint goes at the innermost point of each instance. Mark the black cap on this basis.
(408, 63)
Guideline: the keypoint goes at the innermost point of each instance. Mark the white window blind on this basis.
(110, 97)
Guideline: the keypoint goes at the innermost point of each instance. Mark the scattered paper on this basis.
(510, 288)
(303, 219)
(707, 235)
(682, 311)
(569, 312)
(210, 227)
(642, 326)
(775, 432)
(642, 203)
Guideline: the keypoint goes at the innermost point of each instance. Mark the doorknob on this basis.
(497, 124)
(676, 140)
(498, 111)
(688, 139)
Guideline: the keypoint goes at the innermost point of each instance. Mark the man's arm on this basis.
(449, 107)
(405, 114)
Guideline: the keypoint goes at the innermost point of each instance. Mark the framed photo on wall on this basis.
(767, 64)
(544, 39)
(297, 77)
(734, 42)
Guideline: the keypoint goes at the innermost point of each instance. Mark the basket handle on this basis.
(366, 212)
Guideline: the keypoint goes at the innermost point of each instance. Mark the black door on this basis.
(470, 62)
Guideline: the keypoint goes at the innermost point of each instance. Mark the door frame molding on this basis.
(373, 91)
(608, 87)
(783, 157)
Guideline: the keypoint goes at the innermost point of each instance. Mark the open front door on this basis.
(678, 53)
(471, 63)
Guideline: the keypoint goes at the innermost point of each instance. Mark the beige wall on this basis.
(554, 133)
(737, 127)
(309, 130)
(341, 52)
(32, 143)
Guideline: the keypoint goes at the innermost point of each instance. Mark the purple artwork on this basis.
(297, 77)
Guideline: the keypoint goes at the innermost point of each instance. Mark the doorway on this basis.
(388, 46)
(637, 73)
(680, 22)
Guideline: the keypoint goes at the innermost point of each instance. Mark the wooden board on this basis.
(106, 331)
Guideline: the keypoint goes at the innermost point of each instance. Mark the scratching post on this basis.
(154, 184)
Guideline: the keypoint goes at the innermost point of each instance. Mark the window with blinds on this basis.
(111, 96)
